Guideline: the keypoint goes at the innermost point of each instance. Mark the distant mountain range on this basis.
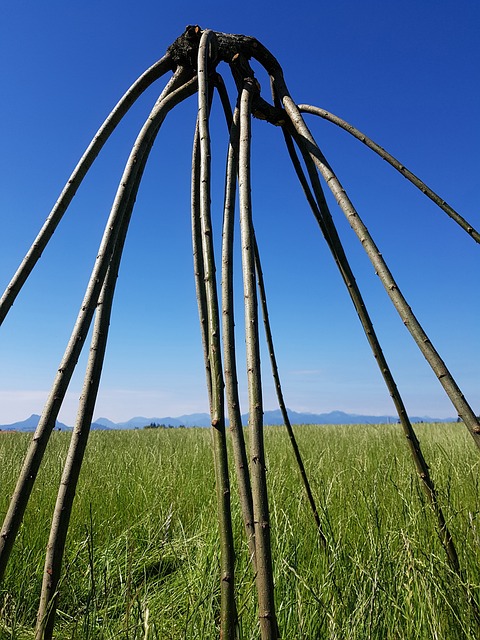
(203, 420)
(30, 424)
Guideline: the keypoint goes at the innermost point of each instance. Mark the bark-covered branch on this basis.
(406, 173)
(322, 214)
(78, 444)
(438, 366)
(217, 408)
(73, 183)
(228, 329)
(126, 191)
(279, 392)
(266, 602)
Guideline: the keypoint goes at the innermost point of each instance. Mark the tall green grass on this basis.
(143, 548)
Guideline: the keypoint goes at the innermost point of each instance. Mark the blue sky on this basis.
(403, 72)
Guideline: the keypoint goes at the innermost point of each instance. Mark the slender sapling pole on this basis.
(322, 214)
(406, 173)
(227, 589)
(78, 444)
(281, 401)
(34, 456)
(451, 388)
(134, 92)
(265, 590)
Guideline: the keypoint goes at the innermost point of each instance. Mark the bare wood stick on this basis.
(227, 584)
(322, 214)
(281, 401)
(70, 189)
(451, 388)
(78, 444)
(267, 616)
(406, 173)
(228, 339)
(228, 322)
(36, 450)
(198, 267)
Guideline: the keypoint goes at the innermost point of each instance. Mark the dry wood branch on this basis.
(323, 216)
(267, 616)
(423, 342)
(126, 191)
(227, 588)
(281, 401)
(228, 336)
(322, 113)
(86, 161)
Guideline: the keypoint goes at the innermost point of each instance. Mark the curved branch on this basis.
(228, 322)
(126, 191)
(78, 442)
(266, 603)
(227, 285)
(224, 99)
(322, 214)
(423, 342)
(228, 331)
(322, 113)
(70, 188)
(198, 266)
(228, 608)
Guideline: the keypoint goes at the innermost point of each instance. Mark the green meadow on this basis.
(142, 551)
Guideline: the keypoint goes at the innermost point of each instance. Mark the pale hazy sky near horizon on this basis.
(405, 73)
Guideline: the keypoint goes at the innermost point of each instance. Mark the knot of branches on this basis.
(237, 51)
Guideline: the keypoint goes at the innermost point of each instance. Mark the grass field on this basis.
(142, 551)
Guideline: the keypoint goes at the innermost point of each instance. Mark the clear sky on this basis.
(406, 73)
